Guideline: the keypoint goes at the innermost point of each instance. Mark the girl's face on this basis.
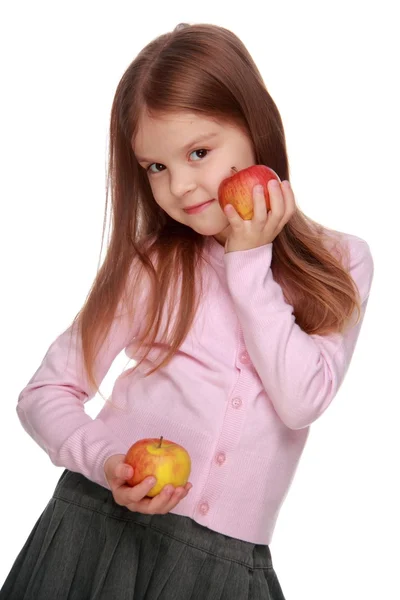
(186, 157)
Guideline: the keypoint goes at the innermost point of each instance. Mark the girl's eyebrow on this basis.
(198, 140)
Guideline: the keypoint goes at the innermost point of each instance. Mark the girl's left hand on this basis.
(265, 225)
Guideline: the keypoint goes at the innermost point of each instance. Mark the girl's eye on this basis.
(158, 167)
(199, 152)
(150, 170)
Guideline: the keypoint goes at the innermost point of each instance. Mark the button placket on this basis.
(236, 402)
(221, 458)
(204, 508)
(245, 358)
(230, 434)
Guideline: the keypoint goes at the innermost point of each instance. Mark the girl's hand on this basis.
(117, 472)
(265, 225)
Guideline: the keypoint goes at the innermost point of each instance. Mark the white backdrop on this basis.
(331, 68)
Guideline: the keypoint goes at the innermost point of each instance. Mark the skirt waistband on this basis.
(74, 488)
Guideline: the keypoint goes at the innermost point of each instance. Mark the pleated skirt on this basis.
(84, 546)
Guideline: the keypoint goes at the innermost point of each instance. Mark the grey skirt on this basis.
(86, 547)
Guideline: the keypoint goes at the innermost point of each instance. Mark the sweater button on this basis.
(204, 508)
(236, 403)
(221, 457)
(244, 358)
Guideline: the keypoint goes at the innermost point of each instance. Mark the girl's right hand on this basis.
(117, 472)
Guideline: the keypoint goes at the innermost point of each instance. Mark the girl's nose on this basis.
(181, 185)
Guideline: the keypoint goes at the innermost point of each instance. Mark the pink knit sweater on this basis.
(240, 395)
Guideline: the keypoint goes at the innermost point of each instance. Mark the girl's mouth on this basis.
(199, 208)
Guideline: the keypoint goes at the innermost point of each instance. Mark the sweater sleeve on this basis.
(51, 406)
(301, 373)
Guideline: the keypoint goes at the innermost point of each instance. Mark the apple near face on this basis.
(237, 189)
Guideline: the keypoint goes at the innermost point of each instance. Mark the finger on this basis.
(276, 200)
(119, 476)
(154, 505)
(260, 205)
(290, 200)
(126, 494)
(162, 503)
(234, 218)
(168, 498)
(123, 471)
(180, 493)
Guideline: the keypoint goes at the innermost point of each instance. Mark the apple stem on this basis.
(234, 169)
(161, 439)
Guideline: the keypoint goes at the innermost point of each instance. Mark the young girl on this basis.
(242, 332)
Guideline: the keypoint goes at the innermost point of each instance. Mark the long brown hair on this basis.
(205, 69)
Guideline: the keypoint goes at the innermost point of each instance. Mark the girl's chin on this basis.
(216, 227)
(215, 232)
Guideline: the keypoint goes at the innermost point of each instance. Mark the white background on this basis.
(332, 69)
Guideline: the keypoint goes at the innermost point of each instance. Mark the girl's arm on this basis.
(51, 406)
(301, 373)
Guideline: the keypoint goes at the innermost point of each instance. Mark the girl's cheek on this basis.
(155, 189)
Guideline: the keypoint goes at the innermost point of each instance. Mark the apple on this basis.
(237, 189)
(167, 461)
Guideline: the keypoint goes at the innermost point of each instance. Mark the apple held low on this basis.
(167, 461)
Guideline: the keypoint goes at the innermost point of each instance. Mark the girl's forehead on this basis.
(174, 121)
(175, 128)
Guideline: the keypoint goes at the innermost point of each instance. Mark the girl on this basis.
(241, 331)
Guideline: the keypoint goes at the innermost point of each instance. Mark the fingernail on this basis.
(258, 189)
(152, 481)
(274, 183)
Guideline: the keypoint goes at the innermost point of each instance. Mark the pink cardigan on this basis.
(240, 395)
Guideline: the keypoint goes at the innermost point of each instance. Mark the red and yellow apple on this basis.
(167, 461)
(237, 189)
